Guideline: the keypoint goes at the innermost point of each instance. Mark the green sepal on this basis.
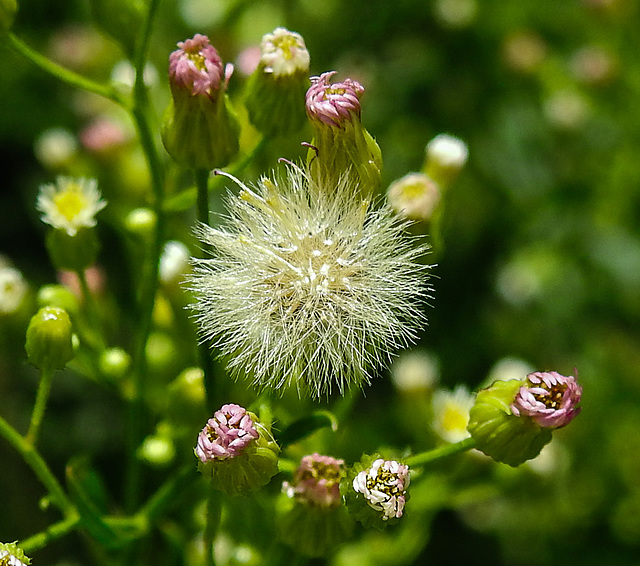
(74, 253)
(499, 433)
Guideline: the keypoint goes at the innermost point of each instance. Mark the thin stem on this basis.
(440, 452)
(92, 308)
(166, 494)
(63, 74)
(202, 181)
(140, 113)
(51, 533)
(185, 199)
(33, 459)
(42, 396)
(214, 511)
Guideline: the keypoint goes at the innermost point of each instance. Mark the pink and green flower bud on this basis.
(315, 521)
(8, 11)
(49, 343)
(445, 157)
(511, 421)
(12, 555)
(236, 451)
(199, 129)
(375, 491)
(341, 146)
(276, 90)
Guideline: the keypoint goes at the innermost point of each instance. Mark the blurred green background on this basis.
(541, 258)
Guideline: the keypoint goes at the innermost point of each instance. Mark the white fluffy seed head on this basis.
(308, 286)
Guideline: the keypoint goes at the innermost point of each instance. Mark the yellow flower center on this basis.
(198, 60)
(454, 419)
(70, 202)
(286, 43)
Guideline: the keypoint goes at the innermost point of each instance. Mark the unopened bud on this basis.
(49, 343)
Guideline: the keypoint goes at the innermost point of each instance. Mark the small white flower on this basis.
(70, 204)
(451, 413)
(384, 486)
(284, 53)
(12, 555)
(448, 151)
(309, 286)
(414, 196)
(13, 289)
(174, 262)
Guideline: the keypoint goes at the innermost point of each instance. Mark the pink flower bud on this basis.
(334, 104)
(549, 398)
(317, 481)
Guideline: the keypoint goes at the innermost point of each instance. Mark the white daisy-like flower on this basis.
(309, 286)
(70, 204)
(13, 289)
(384, 486)
(451, 413)
(284, 53)
(12, 555)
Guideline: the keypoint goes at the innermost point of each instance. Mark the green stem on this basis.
(63, 74)
(140, 113)
(44, 387)
(166, 494)
(51, 533)
(33, 459)
(214, 511)
(92, 309)
(186, 198)
(440, 452)
(202, 181)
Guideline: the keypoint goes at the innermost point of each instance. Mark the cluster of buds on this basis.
(512, 421)
(341, 146)
(276, 89)
(376, 491)
(199, 130)
(236, 451)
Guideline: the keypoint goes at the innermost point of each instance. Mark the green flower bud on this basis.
(114, 363)
(276, 90)
(49, 339)
(199, 129)
(375, 491)
(312, 519)
(236, 451)
(8, 10)
(74, 253)
(499, 433)
(58, 296)
(340, 143)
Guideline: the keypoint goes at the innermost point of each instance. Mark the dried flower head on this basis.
(309, 286)
(317, 481)
(197, 67)
(70, 204)
(12, 555)
(284, 53)
(384, 487)
(549, 398)
(333, 104)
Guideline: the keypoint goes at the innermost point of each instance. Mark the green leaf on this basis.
(305, 426)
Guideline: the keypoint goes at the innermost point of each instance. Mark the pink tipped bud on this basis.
(226, 435)
(334, 104)
(317, 481)
(549, 398)
(197, 67)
